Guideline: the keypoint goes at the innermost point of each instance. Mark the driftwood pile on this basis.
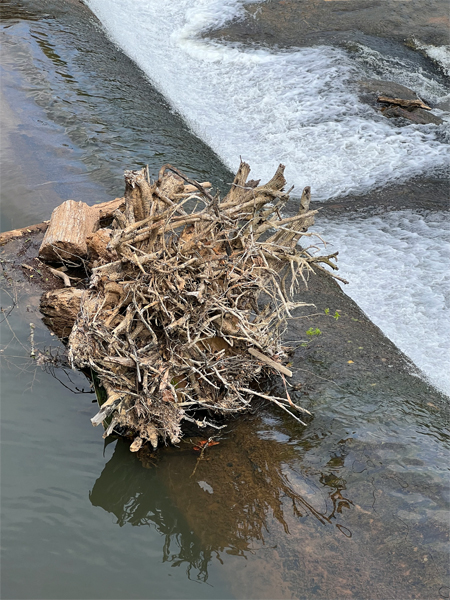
(187, 298)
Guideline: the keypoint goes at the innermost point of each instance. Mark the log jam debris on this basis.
(187, 300)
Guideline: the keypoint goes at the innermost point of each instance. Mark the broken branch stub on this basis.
(189, 314)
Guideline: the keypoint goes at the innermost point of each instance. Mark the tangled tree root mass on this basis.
(187, 303)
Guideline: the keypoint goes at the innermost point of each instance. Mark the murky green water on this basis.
(355, 505)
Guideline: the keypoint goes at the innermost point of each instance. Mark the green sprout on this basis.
(312, 331)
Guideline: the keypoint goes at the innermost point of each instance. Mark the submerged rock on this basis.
(373, 89)
(444, 104)
(418, 115)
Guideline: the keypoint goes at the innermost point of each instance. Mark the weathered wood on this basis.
(60, 309)
(105, 211)
(61, 275)
(138, 195)
(23, 232)
(65, 238)
(173, 320)
(97, 245)
(191, 188)
(411, 104)
(268, 361)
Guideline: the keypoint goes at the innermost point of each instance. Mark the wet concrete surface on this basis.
(426, 193)
(307, 22)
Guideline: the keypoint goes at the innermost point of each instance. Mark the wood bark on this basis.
(97, 244)
(6, 236)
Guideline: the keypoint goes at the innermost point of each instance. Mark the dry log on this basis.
(70, 225)
(409, 104)
(105, 212)
(65, 238)
(60, 309)
(23, 232)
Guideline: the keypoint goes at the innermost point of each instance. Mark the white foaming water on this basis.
(301, 107)
(401, 70)
(440, 54)
(398, 268)
(297, 107)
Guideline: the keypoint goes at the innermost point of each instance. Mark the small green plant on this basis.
(312, 331)
(335, 316)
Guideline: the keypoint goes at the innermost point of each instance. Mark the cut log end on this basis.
(60, 309)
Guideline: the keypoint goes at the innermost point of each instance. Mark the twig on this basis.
(33, 351)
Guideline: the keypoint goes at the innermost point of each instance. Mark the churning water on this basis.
(401, 280)
(301, 107)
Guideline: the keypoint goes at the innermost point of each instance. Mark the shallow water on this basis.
(354, 505)
(83, 115)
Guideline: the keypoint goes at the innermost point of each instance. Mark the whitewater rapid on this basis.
(397, 265)
(299, 107)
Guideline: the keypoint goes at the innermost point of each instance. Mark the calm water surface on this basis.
(355, 505)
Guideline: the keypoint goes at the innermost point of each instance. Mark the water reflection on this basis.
(222, 505)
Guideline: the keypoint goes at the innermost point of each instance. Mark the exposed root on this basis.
(190, 314)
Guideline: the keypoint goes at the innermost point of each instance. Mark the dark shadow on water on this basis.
(332, 498)
(224, 504)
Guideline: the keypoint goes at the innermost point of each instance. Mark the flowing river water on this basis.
(354, 505)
